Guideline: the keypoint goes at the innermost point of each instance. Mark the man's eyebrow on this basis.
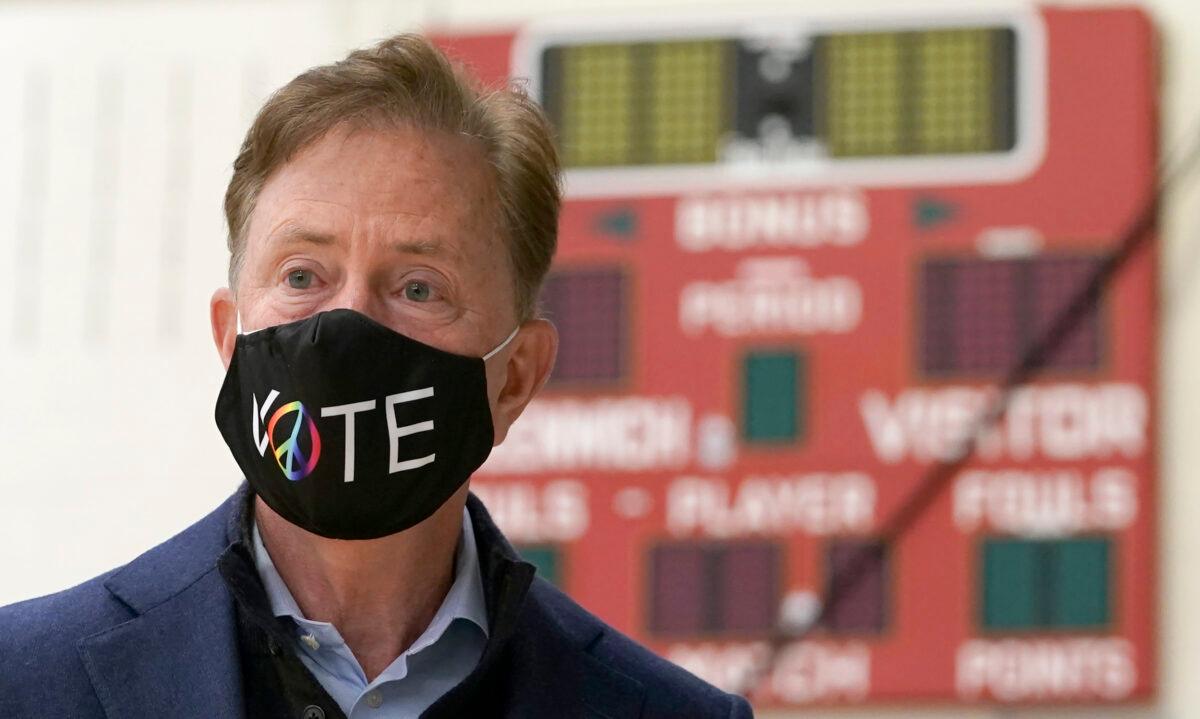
(291, 231)
(428, 247)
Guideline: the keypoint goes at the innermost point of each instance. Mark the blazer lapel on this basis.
(178, 660)
(178, 657)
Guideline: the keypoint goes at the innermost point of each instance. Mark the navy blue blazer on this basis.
(157, 638)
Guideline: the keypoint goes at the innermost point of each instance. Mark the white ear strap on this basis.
(239, 324)
(501, 346)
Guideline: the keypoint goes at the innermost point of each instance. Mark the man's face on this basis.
(402, 226)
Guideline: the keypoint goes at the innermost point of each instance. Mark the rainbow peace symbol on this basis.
(288, 455)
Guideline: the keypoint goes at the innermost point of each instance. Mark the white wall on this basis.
(118, 124)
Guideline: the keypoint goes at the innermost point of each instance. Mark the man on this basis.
(389, 227)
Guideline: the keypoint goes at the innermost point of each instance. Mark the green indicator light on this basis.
(1081, 583)
(1010, 574)
(1046, 584)
(772, 396)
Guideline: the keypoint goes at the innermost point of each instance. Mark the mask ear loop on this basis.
(239, 325)
(501, 346)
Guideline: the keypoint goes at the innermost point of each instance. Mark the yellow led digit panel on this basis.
(689, 102)
(644, 103)
(863, 93)
(926, 92)
(597, 114)
(954, 91)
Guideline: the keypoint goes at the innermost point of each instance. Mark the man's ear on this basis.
(222, 310)
(526, 368)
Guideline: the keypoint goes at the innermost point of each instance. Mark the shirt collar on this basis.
(465, 600)
(506, 583)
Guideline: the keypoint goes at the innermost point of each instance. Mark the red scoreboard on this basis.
(796, 256)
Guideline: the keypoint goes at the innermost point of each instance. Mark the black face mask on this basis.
(349, 429)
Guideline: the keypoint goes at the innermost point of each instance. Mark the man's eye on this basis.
(299, 279)
(417, 291)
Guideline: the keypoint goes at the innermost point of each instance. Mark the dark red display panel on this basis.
(758, 366)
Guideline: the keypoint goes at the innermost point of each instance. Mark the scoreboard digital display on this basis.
(860, 94)
(796, 256)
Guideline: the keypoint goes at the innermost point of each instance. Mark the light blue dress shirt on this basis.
(439, 659)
